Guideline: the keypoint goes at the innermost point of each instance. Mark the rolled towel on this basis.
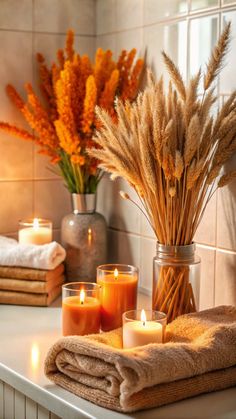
(199, 357)
(46, 256)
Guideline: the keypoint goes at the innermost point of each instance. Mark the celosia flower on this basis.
(72, 87)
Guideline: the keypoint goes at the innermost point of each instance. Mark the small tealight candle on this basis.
(118, 293)
(35, 231)
(80, 308)
(141, 328)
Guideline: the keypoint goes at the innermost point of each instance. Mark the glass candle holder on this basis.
(141, 327)
(81, 310)
(119, 284)
(35, 231)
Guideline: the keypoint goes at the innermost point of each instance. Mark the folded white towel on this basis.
(45, 256)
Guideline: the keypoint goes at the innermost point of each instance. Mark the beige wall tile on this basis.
(146, 229)
(16, 68)
(147, 253)
(225, 278)
(106, 42)
(226, 217)
(16, 15)
(51, 200)
(206, 231)
(129, 40)
(18, 204)
(129, 14)
(207, 285)
(162, 9)
(48, 44)
(203, 4)
(203, 37)
(58, 16)
(123, 248)
(43, 169)
(227, 77)
(226, 2)
(173, 39)
(105, 16)
(120, 214)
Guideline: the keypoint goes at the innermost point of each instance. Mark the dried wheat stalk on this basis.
(170, 149)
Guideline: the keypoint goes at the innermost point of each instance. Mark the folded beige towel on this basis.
(30, 274)
(38, 287)
(200, 356)
(29, 299)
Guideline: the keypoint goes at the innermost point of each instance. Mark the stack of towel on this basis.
(199, 357)
(30, 274)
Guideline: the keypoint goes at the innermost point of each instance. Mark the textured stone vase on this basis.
(84, 236)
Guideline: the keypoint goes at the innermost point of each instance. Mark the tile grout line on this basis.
(175, 19)
(200, 245)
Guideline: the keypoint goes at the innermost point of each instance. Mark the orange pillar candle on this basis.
(81, 310)
(119, 285)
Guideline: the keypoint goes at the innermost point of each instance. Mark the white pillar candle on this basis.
(35, 234)
(143, 332)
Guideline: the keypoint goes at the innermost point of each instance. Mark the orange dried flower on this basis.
(108, 95)
(75, 159)
(72, 88)
(89, 105)
(69, 45)
(60, 58)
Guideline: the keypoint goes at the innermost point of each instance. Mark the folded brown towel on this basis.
(29, 299)
(38, 287)
(31, 274)
(200, 356)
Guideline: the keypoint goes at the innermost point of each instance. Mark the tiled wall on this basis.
(187, 30)
(27, 186)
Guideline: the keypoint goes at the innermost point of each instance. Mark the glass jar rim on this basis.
(30, 221)
(71, 286)
(160, 315)
(121, 267)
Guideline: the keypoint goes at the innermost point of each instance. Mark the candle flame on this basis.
(36, 223)
(143, 317)
(82, 296)
(116, 273)
(35, 356)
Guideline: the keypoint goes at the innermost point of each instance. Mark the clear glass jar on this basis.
(176, 280)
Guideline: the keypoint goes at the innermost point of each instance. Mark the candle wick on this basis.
(81, 302)
(144, 323)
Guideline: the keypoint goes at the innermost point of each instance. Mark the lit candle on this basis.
(142, 332)
(80, 309)
(36, 231)
(118, 293)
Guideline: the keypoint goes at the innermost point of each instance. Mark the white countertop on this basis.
(26, 333)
